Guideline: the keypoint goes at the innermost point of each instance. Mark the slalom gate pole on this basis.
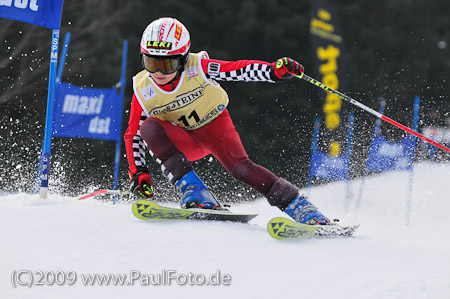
(364, 107)
(44, 171)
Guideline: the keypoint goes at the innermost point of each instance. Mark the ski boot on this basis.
(302, 211)
(195, 194)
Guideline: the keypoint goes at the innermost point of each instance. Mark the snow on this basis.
(385, 259)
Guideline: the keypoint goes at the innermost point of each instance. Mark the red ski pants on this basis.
(171, 145)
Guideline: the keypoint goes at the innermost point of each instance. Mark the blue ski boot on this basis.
(195, 193)
(302, 211)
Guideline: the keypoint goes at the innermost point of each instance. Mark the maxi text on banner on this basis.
(326, 35)
(87, 112)
(45, 13)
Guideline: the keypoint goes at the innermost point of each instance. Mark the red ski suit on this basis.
(171, 144)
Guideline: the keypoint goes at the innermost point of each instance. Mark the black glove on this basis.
(140, 182)
(284, 69)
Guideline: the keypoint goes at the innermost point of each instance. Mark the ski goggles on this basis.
(164, 65)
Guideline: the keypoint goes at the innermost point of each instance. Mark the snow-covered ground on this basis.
(385, 259)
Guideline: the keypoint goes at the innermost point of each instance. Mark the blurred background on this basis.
(394, 50)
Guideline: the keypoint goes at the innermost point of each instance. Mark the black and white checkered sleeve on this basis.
(139, 145)
(253, 72)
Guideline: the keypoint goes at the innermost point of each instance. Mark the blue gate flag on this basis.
(385, 155)
(324, 166)
(45, 13)
(87, 112)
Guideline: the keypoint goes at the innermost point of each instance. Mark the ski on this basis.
(148, 210)
(282, 228)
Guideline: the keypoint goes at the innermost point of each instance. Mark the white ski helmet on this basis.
(166, 37)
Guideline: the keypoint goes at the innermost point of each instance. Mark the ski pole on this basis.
(364, 107)
(102, 191)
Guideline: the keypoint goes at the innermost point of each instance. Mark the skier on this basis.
(178, 111)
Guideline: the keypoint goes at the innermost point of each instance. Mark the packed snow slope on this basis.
(385, 259)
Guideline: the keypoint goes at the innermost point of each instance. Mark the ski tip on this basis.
(282, 228)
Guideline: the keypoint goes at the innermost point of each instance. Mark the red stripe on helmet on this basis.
(161, 30)
(170, 29)
(181, 50)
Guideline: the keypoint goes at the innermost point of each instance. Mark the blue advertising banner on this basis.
(385, 155)
(45, 13)
(87, 112)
